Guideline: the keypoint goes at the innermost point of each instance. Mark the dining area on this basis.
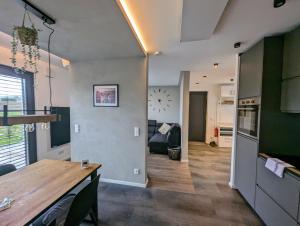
(49, 192)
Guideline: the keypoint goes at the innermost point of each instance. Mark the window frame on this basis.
(30, 104)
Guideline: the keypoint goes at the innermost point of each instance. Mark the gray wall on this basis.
(184, 84)
(169, 110)
(106, 133)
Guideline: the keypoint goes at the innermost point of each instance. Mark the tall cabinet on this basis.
(290, 98)
(256, 65)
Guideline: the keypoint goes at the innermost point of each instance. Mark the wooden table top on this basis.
(38, 186)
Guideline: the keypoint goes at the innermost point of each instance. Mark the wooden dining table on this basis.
(37, 187)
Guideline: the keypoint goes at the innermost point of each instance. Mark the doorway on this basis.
(197, 116)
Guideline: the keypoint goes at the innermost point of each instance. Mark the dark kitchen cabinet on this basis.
(251, 71)
(290, 95)
(291, 65)
(247, 150)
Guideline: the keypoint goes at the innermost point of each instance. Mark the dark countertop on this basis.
(293, 160)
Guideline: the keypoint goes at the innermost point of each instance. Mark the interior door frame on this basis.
(30, 104)
(205, 118)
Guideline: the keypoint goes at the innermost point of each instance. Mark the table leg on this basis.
(95, 206)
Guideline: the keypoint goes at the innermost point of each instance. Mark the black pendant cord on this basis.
(49, 60)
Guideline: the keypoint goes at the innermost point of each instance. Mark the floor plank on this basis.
(170, 175)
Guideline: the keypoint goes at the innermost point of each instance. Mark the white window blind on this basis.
(13, 141)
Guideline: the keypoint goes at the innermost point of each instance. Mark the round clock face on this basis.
(159, 99)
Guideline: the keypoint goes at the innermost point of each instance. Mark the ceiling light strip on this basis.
(129, 16)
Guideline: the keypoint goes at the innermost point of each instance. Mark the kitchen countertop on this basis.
(294, 171)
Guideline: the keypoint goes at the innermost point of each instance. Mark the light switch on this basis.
(136, 131)
(76, 128)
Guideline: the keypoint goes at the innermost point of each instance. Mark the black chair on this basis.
(72, 209)
(7, 168)
(83, 204)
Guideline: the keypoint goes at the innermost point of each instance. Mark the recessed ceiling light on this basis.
(279, 3)
(216, 65)
(237, 45)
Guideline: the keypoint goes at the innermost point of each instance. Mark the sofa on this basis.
(159, 143)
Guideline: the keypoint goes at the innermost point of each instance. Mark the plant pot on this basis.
(27, 35)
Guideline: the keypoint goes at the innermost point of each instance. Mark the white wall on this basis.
(61, 93)
(212, 102)
(106, 133)
(168, 109)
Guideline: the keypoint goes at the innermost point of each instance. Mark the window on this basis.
(16, 91)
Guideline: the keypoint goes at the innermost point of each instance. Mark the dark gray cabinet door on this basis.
(270, 212)
(290, 95)
(291, 65)
(251, 71)
(246, 155)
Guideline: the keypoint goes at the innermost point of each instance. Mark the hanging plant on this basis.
(26, 39)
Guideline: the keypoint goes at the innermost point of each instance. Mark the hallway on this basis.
(212, 204)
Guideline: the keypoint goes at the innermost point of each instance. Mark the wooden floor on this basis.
(209, 202)
(170, 175)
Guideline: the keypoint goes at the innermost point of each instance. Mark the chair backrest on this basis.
(82, 203)
(7, 168)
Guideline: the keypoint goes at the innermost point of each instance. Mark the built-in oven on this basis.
(248, 116)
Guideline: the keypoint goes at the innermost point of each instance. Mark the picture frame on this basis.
(106, 95)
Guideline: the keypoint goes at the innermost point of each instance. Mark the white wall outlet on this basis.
(136, 131)
(76, 128)
(136, 171)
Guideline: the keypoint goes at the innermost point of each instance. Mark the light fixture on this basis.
(279, 3)
(65, 63)
(130, 18)
(237, 45)
(156, 53)
(216, 65)
(30, 117)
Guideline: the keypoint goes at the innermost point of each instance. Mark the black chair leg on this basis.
(94, 218)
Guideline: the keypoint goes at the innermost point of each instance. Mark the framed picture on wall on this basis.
(106, 95)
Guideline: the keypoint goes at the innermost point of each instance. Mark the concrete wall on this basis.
(169, 107)
(213, 94)
(184, 84)
(106, 133)
(61, 94)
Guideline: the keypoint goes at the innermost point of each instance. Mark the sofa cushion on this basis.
(164, 129)
(159, 138)
(151, 128)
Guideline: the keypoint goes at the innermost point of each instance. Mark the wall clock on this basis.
(159, 99)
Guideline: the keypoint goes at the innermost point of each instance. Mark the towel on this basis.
(277, 166)
(280, 168)
(271, 164)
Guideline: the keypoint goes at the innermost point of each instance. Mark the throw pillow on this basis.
(164, 128)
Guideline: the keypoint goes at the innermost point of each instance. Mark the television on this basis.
(60, 129)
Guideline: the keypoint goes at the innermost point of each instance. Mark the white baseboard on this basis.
(141, 185)
(232, 185)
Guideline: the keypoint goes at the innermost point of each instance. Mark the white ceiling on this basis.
(193, 29)
(247, 21)
(85, 29)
